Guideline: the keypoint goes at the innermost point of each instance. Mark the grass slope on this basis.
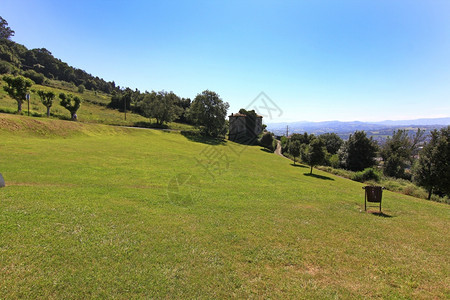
(86, 213)
(93, 108)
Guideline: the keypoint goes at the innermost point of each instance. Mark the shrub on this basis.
(81, 89)
(366, 174)
(5, 67)
(38, 78)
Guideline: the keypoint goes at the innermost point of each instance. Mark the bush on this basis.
(366, 174)
(5, 67)
(38, 78)
(334, 161)
(81, 89)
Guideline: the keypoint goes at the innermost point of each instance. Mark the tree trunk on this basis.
(294, 160)
(310, 171)
(48, 111)
(19, 107)
(74, 116)
(429, 193)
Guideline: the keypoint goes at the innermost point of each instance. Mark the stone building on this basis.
(244, 128)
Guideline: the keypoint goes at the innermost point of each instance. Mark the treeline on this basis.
(39, 64)
(402, 156)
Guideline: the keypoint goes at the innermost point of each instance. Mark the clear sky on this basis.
(316, 60)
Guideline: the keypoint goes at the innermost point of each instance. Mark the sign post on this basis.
(28, 100)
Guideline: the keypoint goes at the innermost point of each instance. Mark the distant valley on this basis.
(378, 130)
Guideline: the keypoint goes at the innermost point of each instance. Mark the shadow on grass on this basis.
(318, 176)
(150, 125)
(299, 166)
(198, 138)
(379, 214)
(266, 150)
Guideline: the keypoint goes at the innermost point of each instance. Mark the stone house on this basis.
(244, 128)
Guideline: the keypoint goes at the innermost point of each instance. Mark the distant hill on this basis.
(379, 130)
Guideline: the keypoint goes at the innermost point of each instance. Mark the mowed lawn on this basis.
(95, 211)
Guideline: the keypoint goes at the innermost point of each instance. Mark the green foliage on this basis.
(398, 151)
(359, 151)
(209, 112)
(294, 148)
(35, 76)
(432, 171)
(162, 106)
(46, 99)
(81, 89)
(331, 141)
(334, 161)
(17, 87)
(5, 67)
(366, 175)
(71, 103)
(5, 31)
(267, 141)
(314, 153)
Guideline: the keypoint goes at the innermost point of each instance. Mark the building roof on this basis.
(242, 115)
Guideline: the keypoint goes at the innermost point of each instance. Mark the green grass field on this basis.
(93, 211)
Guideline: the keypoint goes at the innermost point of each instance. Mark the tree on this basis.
(71, 103)
(209, 111)
(46, 99)
(314, 153)
(5, 31)
(361, 151)
(162, 106)
(294, 148)
(432, 170)
(398, 152)
(331, 141)
(17, 88)
(267, 141)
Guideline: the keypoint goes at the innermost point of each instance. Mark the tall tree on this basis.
(71, 103)
(432, 170)
(267, 141)
(361, 151)
(398, 152)
(314, 153)
(162, 106)
(17, 88)
(5, 31)
(331, 141)
(46, 99)
(294, 148)
(209, 111)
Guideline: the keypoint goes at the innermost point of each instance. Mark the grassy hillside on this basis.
(95, 211)
(92, 110)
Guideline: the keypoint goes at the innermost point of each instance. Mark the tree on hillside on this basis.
(359, 151)
(398, 152)
(46, 99)
(294, 148)
(5, 31)
(267, 141)
(209, 111)
(17, 88)
(432, 170)
(162, 106)
(71, 103)
(331, 141)
(314, 153)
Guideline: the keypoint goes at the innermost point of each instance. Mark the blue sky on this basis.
(316, 60)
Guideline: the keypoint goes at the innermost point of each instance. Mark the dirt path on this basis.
(278, 150)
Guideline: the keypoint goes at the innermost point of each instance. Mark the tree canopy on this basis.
(5, 31)
(209, 112)
(46, 99)
(162, 106)
(314, 153)
(71, 103)
(360, 151)
(17, 87)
